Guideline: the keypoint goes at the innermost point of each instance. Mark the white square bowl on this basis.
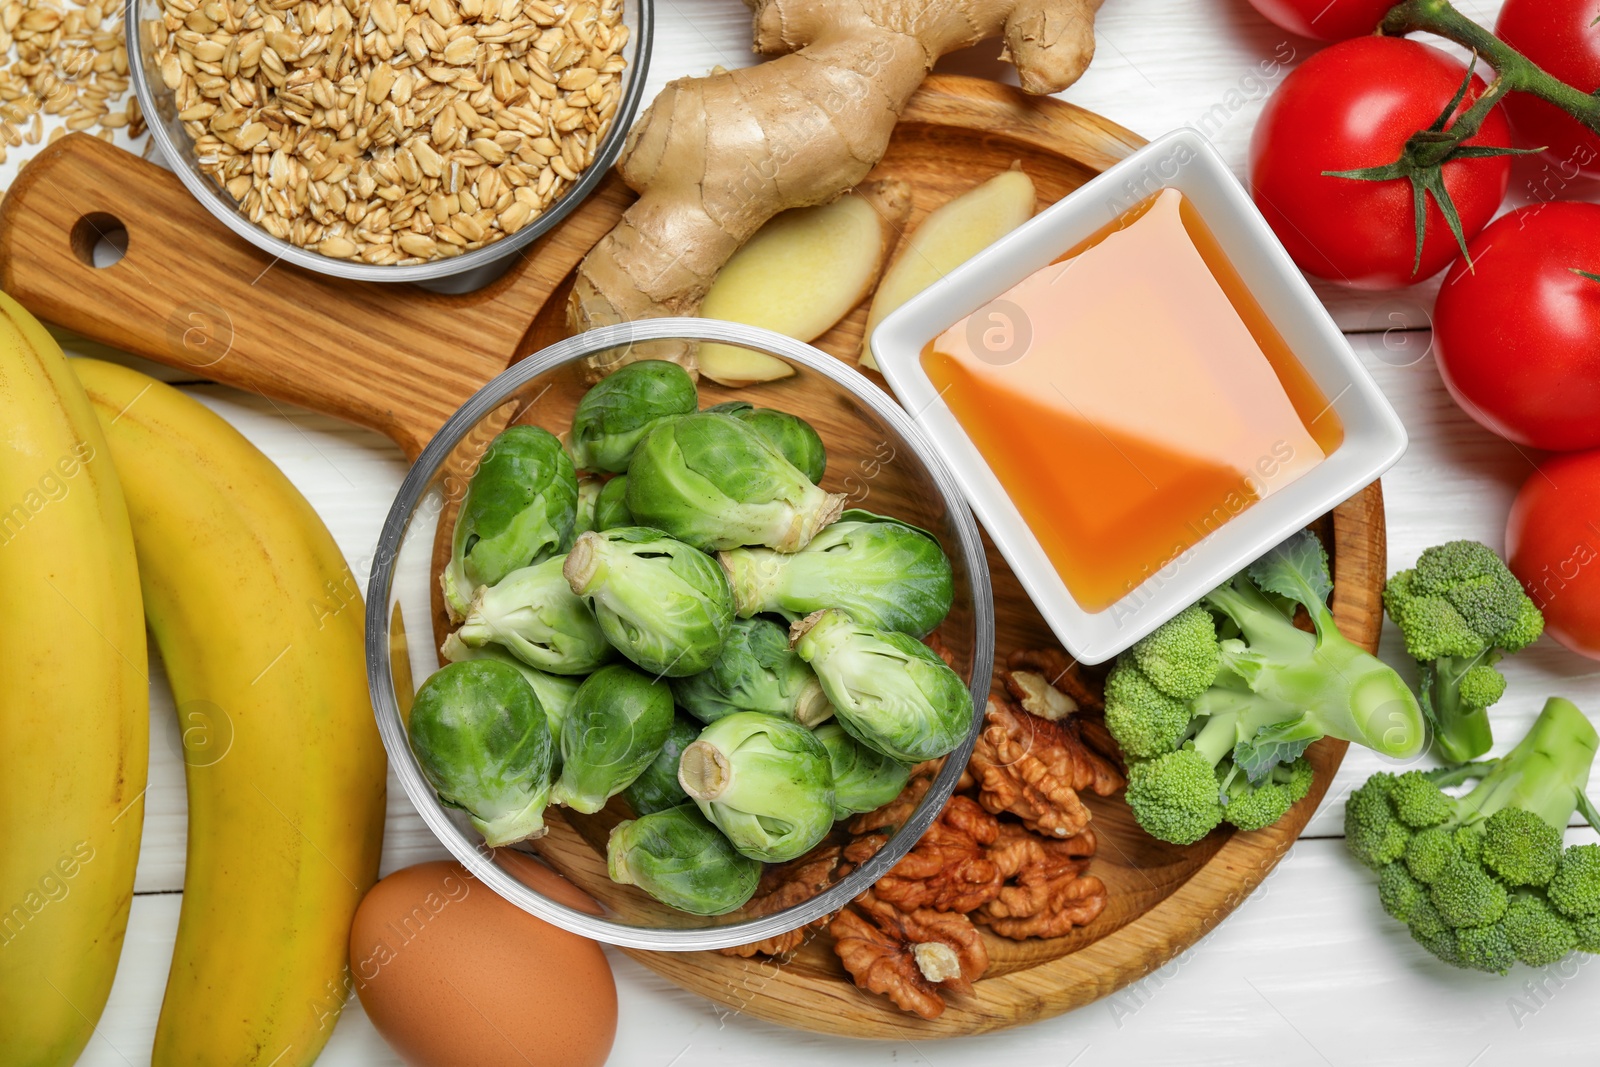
(1374, 438)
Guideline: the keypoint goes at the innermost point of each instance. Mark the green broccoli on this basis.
(1372, 829)
(1459, 610)
(1487, 869)
(1575, 889)
(1215, 709)
(1538, 935)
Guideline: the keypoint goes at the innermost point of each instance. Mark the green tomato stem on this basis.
(1516, 71)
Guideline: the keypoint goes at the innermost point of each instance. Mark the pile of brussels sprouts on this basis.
(670, 609)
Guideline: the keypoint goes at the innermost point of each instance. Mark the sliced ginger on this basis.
(800, 274)
(952, 234)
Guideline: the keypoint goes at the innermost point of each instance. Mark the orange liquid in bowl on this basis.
(1132, 398)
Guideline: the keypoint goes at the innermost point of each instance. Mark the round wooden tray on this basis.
(399, 360)
(1162, 898)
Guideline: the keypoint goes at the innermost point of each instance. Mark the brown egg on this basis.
(451, 974)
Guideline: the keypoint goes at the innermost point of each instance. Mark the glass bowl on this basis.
(876, 455)
(477, 267)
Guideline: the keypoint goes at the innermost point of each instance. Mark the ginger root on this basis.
(714, 158)
(801, 273)
(952, 234)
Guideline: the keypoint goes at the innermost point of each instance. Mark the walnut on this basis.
(860, 851)
(949, 869)
(783, 886)
(908, 955)
(1062, 672)
(1051, 893)
(1035, 693)
(940, 649)
(1034, 769)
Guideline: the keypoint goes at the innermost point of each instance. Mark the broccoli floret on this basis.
(1401, 895)
(1418, 801)
(1586, 933)
(1175, 797)
(1145, 721)
(1442, 945)
(1520, 847)
(1254, 807)
(1484, 948)
(1536, 933)
(1575, 889)
(1258, 698)
(1470, 838)
(1492, 868)
(1181, 657)
(1430, 852)
(1467, 895)
(1372, 831)
(1459, 610)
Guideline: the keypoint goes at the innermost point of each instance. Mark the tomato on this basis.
(1560, 36)
(1517, 337)
(1553, 546)
(1354, 105)
(1336, 21)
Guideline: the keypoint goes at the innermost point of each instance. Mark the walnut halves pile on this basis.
(1010, 851)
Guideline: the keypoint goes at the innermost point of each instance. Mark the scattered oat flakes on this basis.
(65, 60)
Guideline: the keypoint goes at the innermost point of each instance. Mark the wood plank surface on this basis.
(1308, 971)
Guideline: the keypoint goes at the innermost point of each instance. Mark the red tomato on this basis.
(1517, 337)
(1553, 545)
(1354, 105)
(1560, 36)
(1325, 20)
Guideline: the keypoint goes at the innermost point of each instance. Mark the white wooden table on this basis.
(1308, 970)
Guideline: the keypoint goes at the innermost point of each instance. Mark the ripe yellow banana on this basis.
(260, 626)
(74, 705)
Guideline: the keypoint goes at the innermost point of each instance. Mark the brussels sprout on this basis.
(534, 615)
(683, 861)
(714, 481)
(792, 435)
(589, 488)
(519, 509)
(663, 604)
(555, 691)
(618, 723)
(483, 743)
(863, 780)
(889, 690)
(881, 572)
(757, 671)
(765, 781)
(657, 788)
(615, 415)
(611, 510)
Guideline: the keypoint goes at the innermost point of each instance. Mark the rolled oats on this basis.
(386, 131)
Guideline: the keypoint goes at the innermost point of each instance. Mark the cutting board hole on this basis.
(99, 239)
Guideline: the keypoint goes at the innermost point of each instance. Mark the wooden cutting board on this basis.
(400, 360)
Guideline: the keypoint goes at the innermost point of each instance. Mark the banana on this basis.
(74, 709)
(259, 623)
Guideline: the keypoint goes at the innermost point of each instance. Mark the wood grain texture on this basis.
(190, 294)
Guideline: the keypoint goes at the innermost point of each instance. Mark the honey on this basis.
(1132, 398)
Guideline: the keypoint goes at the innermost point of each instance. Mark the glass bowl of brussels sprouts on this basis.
(666, 634)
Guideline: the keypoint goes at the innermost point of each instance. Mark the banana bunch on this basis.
(74, 709)
(156, 500)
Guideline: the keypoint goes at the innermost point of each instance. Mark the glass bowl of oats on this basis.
(390, 140)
